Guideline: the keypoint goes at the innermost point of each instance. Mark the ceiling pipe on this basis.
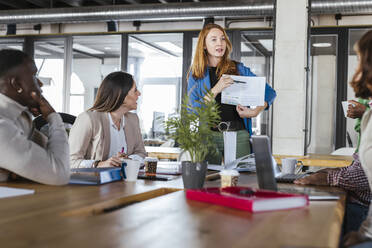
(174, 11)
(151, 12)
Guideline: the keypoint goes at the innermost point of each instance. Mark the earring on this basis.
(20, 90)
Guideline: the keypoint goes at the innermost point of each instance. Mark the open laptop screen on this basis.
(264, 163)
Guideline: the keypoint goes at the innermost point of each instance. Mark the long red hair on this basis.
(200, 62)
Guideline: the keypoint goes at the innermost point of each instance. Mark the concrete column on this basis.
(290, 77)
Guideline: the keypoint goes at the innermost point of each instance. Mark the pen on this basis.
(122, 150)
(239, 82)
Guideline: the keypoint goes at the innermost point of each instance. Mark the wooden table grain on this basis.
(160, 152)
(321, 160)
(86, 216)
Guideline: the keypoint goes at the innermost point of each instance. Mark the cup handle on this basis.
(300, 164)
(123, 165)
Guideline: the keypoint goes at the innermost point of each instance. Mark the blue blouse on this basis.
(197, 88)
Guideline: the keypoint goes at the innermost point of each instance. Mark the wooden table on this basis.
(160, 152)
(87, 216)
(320, 160)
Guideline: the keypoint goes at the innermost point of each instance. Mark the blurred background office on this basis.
(75, 52)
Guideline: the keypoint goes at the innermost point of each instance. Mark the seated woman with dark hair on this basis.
(103, 134)
(362, 84)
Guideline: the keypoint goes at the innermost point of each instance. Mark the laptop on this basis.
(266, 176)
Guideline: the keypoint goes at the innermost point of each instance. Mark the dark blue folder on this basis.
(95, 176)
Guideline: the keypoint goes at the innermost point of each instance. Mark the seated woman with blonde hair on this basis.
(107, 132)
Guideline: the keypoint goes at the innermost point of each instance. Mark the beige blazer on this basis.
(90, 137)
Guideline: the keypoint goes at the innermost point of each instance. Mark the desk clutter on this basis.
(155, 170)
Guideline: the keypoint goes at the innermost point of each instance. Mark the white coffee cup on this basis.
(131, 169)
(289, 165)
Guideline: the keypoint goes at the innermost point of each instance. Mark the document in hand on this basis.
(248, 199)
(246, 91)
(95, 176)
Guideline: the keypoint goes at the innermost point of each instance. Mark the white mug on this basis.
(289, 166)
(131, 169)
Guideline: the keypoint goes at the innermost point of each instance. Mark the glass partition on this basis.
(155, 60)
(49, 59)
(93, 58)
(322, 93)
(257, 54)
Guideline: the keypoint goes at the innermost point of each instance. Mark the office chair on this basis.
(42, 125)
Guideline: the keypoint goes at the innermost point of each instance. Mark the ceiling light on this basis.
(86, 49)
(38, 52)
(52, 48)
(107, 48)
(15, 47)
(323, 44)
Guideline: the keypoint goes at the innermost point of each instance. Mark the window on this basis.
(94, 57)
(155, 60)
(49, 59)
(257, 53)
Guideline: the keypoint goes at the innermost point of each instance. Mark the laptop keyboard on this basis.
(289, 178)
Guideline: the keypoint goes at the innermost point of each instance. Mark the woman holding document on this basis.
(210, 70)
(107, 132)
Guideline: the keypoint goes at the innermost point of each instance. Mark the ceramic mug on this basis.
(131, 169)
(289, 166)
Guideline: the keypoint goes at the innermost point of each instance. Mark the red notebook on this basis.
(248, 199)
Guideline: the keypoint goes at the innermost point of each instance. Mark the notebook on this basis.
(95, 176)
(248, 199)
(266, 176)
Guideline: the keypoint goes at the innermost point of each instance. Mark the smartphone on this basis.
(143, 175)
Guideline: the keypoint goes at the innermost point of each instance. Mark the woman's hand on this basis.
(224, 82)
(114, 161)
(245, 112)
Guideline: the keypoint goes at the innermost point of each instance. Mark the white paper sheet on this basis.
(229, 146)
(345, 106)
(246, 91)
(11, 192)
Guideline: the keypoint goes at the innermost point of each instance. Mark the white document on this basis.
(229, 147)
(10, 192)
(345, 106)
(246, 91)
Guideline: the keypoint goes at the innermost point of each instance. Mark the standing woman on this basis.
(211, 61)
(362, 84)
(103, 134)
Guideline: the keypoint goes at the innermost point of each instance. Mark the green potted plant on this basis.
(192, 130)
